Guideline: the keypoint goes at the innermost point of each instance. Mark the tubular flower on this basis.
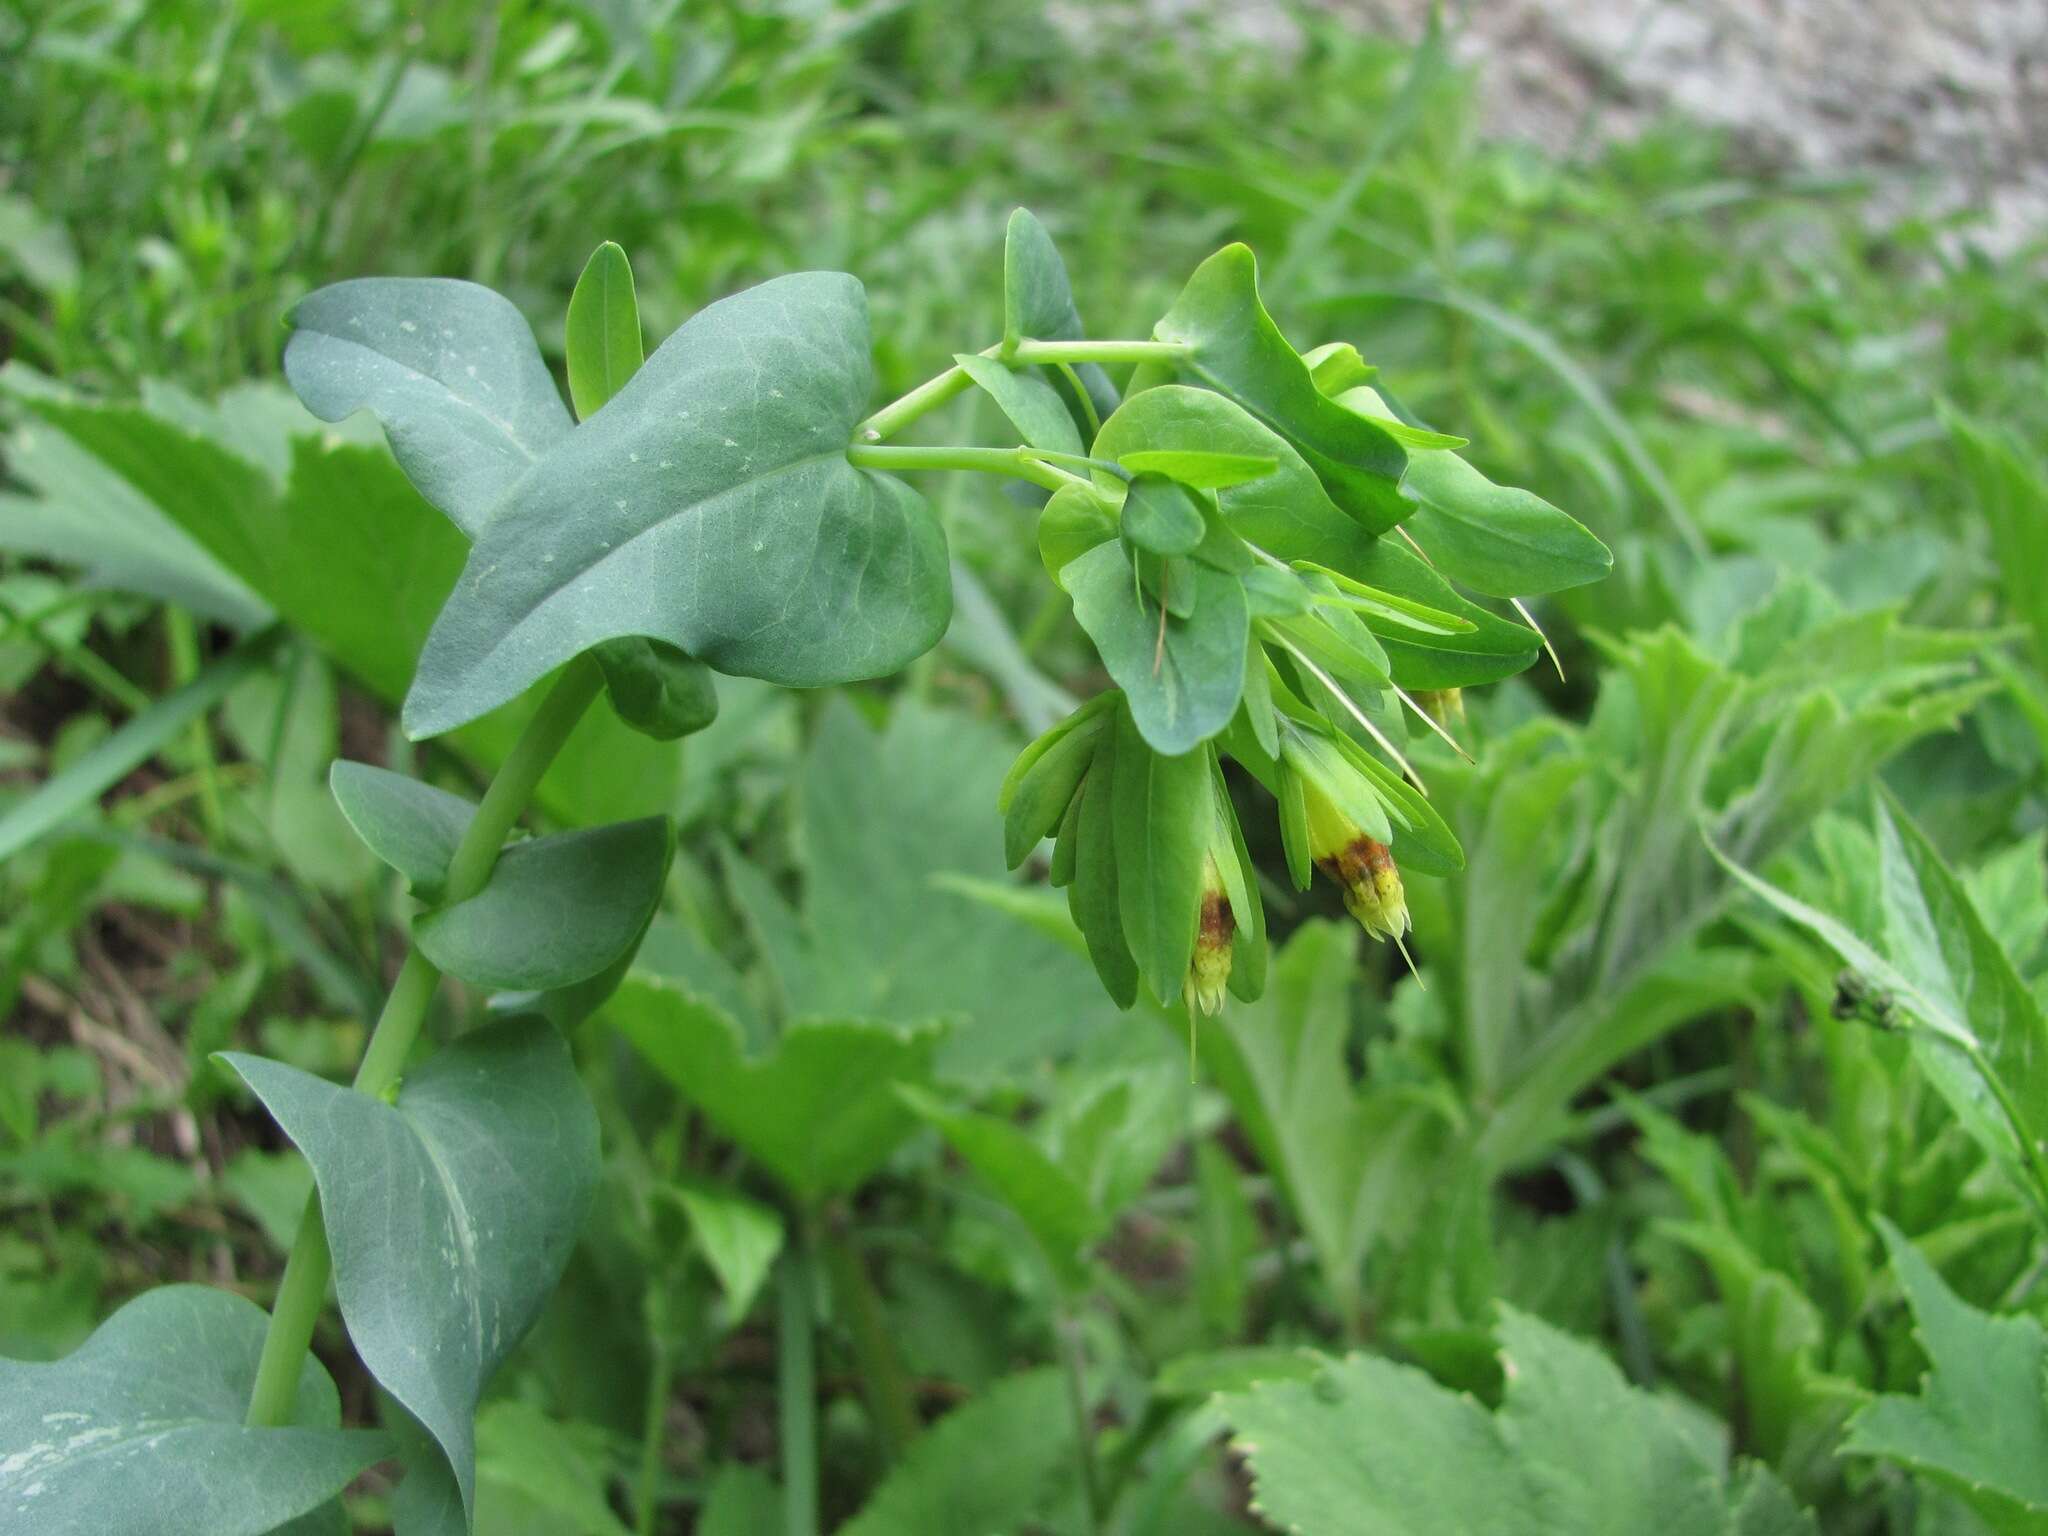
(1209, 970)
(1363, 866)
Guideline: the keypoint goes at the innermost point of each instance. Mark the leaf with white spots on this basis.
(452, 371)
(139, 1431)
(450, 1212)
(710, 505)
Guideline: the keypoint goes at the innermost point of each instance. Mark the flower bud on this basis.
(1362, 865)
(1209, 970)
(1446, 706)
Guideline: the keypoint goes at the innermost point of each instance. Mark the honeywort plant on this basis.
(1261, 545)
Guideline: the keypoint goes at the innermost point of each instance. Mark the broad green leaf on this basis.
(884, 816)
(1239, 351)
(1181, 689)
(555, 911)
(1495, 539)
(1054, 1208)
(820, 1111)
(1160, 516)
(450, 1211)
(1203, 470)
(1163, 820)
(1074, 520)
(1492, 649)
(410, 825)
(449, 368)
(78, 786)
(739, 1238)
(656, 689)
(1034, 407)
(1389, 607)
(85, 513)
(603, 337)
(534, 1477)
(991, 1465)
(139, 1431)
(1979, 1425)
(712, 507)
(1042, 796)
(1573, 1451)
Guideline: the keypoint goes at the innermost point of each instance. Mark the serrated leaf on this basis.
(556, 911)
(1980, 1422)
(139, 1431)
(603, 333)
(1238, 351)
(452, 371)
(819, 1111)
(409, 825)
(710, 506)
(450, 1211)
(1192, 691)
(1573, 1451)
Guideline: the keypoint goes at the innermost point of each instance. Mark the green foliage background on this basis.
(1680, 1186)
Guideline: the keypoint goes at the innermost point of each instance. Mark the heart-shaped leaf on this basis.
(709, 505)
(820, 1111)
(1183, 688)
(555, 911)
(604, 343)
(139, 1432)
(1237, 350)
(449, 368)
(450, 1212)
(411, 826)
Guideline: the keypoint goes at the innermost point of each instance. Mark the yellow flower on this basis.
(1364, 867)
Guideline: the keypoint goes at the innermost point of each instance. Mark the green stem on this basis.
(884, 1379)
(1018, 463)
(796, 1370)
(1099, 352)
(898, 414)
(647, 1497)
(1074, 1365)
(304, 1286)
(184, 642)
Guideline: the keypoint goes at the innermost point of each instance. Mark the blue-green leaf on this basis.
(410, 825)
(711, 505)
(555, 911)
(449, 368)
(450, 1212)
(139, 1431)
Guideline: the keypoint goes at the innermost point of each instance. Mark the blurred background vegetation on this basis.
(1809, 427)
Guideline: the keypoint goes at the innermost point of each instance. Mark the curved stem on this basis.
(937, 390)
(898, 414)
(303, 1289)
(1099, 352)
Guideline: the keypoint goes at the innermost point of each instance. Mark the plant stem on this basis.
(1075, 1366)
(647, 1497)
(183, 636)
(1099, 352)
(304, 1286)
(898, 414)
(796, 1371)
(884, 1380)
(1019, 463)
